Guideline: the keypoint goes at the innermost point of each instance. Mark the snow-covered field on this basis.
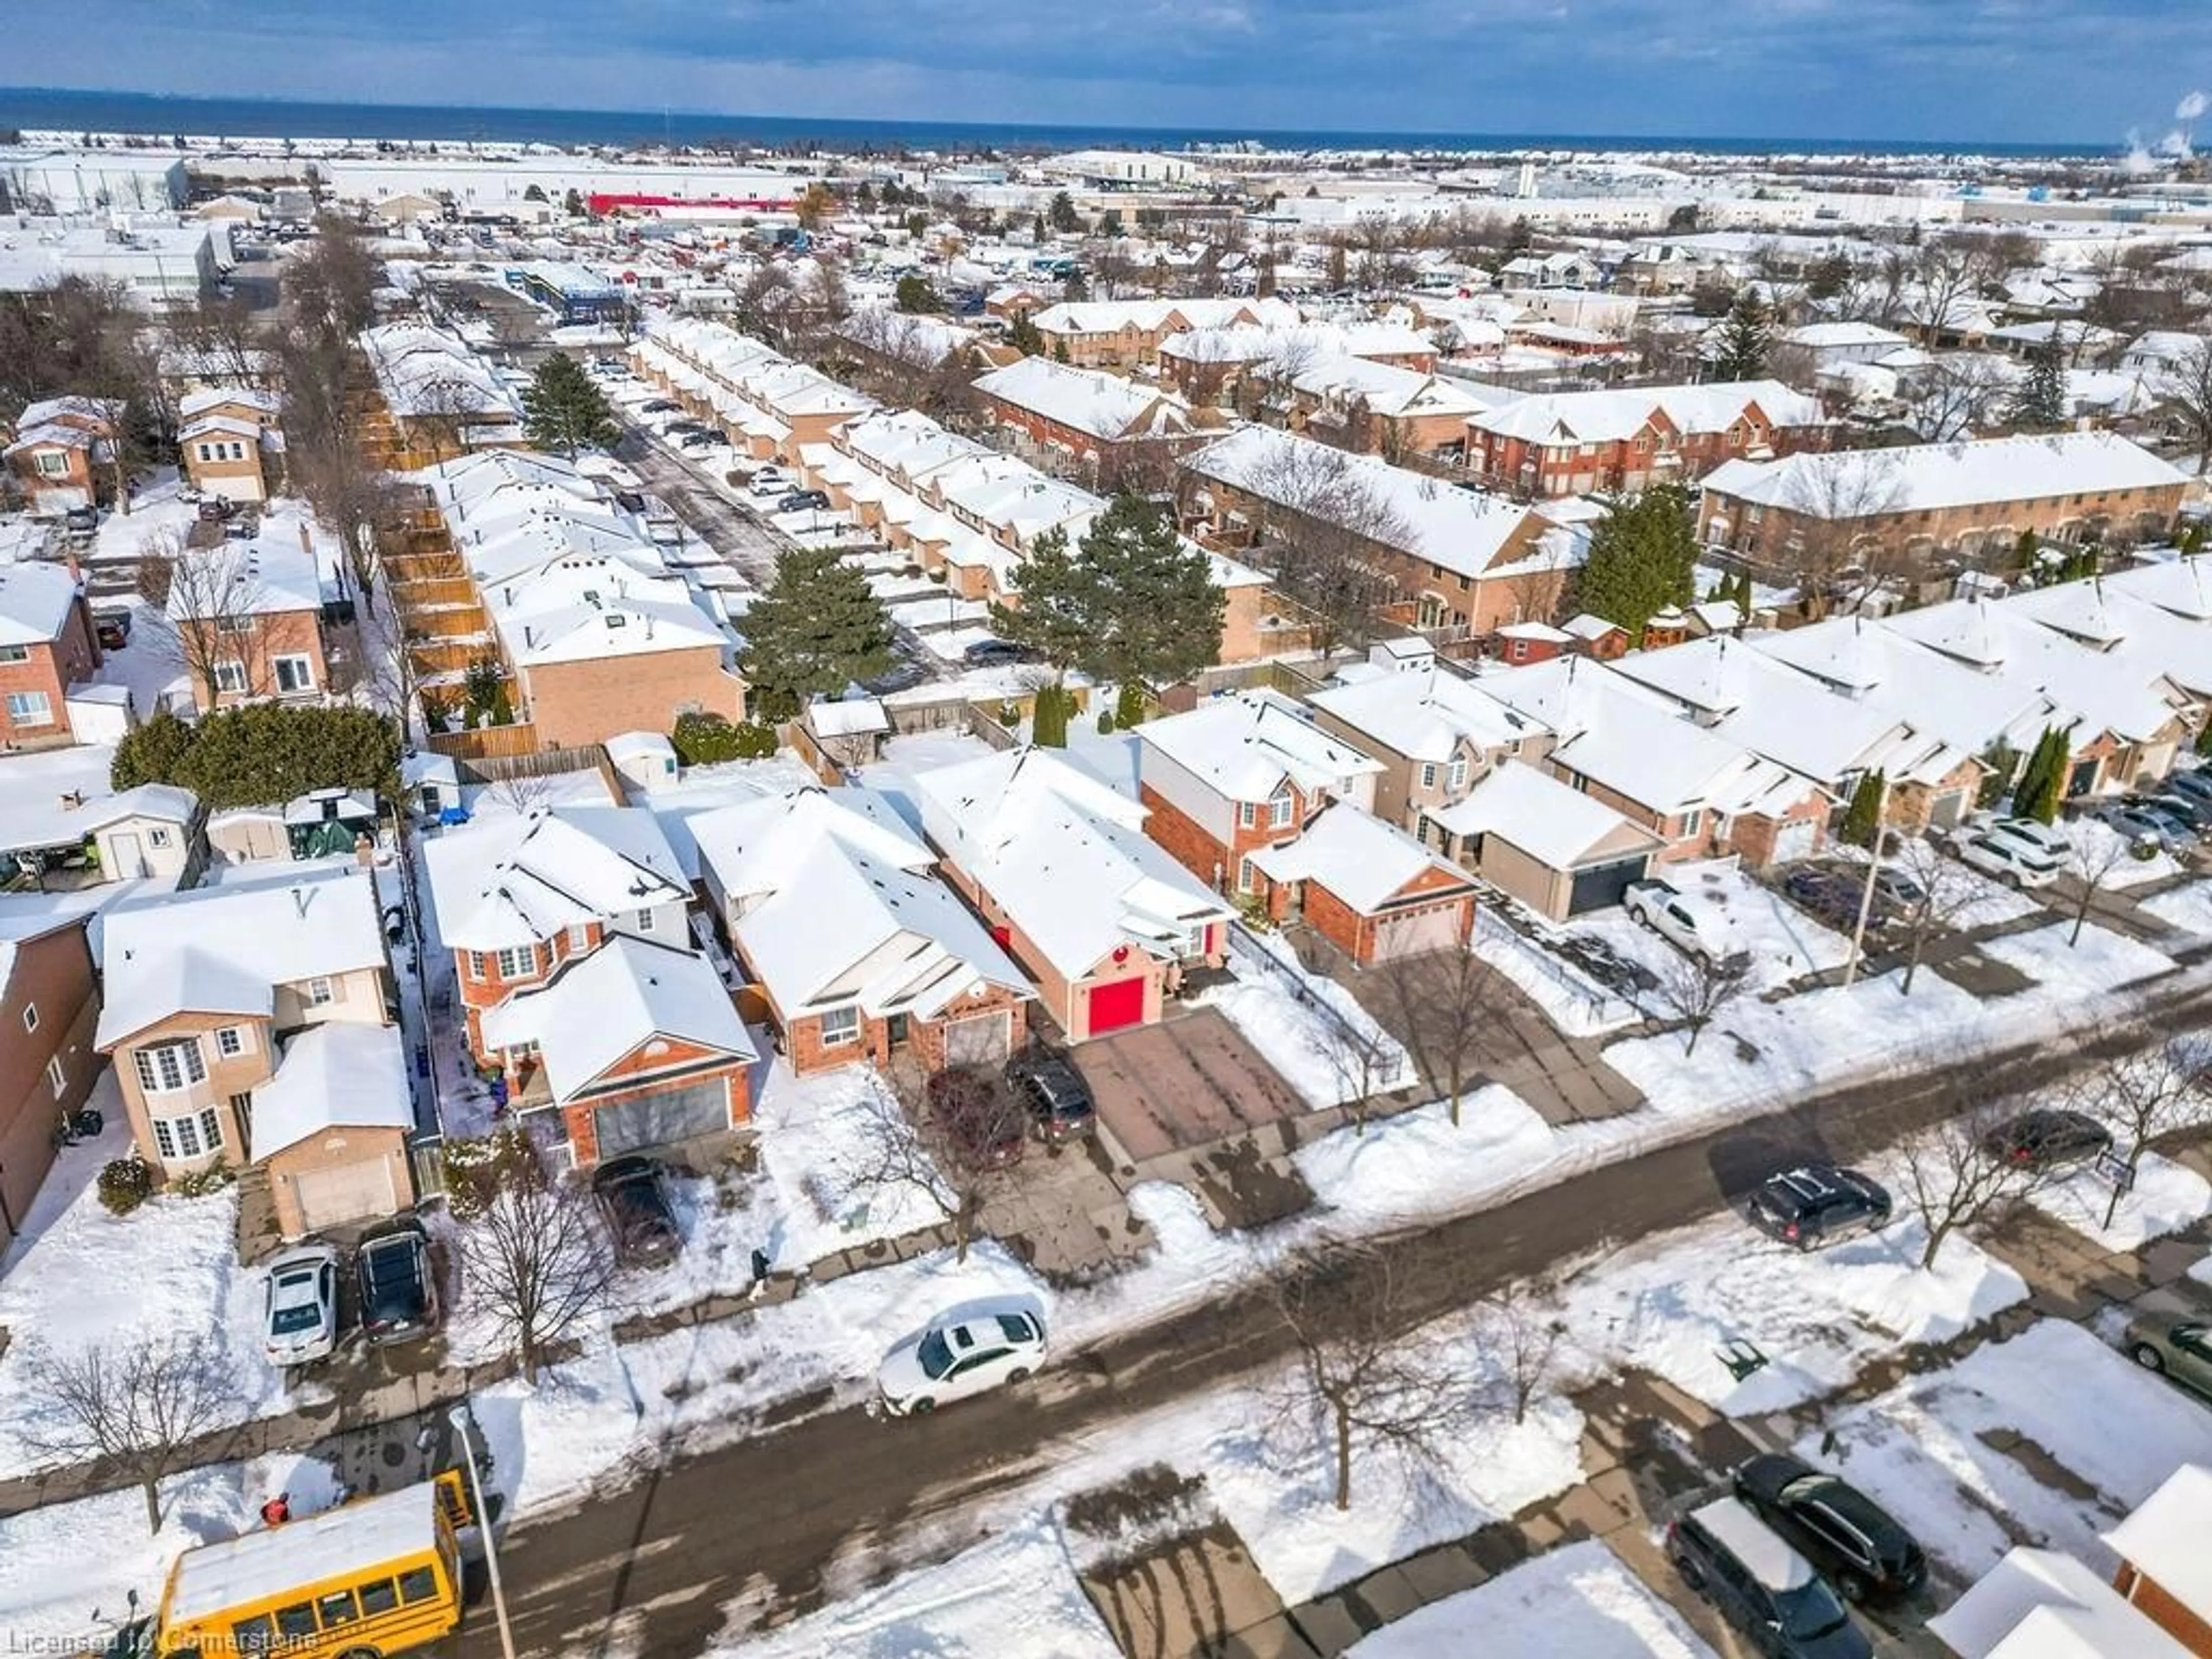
(2096, 846)
(79, 1278)
(2166, 1198)
(1577, 1601)
(1934, 1449)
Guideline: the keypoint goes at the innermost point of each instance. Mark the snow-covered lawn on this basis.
(1273, 1002)
(2166, 1198)
(1670, 1304)
(1575, 1002)
(79, 1278)
(1577, 1601)
(1417, 1167)
(1932, 1450)
(2098, 963)
(1015, 1596)
(2094, 843)
(2188, 907)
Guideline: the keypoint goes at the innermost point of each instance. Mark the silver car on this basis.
(2171, 1338)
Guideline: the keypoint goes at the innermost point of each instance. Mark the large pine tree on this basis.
(2040, 402)
(1741, 342)
(815, 631)
(563, 409)
(1643, 558)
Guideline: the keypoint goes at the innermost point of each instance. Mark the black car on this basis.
(903, 676)
(2046, 1139)
(658, 406)
(635, 1204)
(1057, 1097)
(989, 654)
(1856, 1543)
(1816, 1204)
(2196, 784)
(800, 499)
(1761, 1586)
(398, 1287)
(1827, 895)
(111, 629)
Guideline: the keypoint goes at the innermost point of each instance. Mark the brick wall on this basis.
(53, 974)
(2164, 1610)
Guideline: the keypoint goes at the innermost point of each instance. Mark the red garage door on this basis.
(1113, 1006)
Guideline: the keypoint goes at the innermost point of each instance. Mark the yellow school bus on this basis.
(372, 1577)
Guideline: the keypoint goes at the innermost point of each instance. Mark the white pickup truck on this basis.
(1685, 923)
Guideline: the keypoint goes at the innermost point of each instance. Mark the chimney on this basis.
(306, 542)
(299, 899)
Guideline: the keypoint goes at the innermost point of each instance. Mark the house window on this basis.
(30, 708)
(518, 962)
(189, 1137)
(230, 1041)
(840, 1026)
(30, 1016)
(1247, 814)
(56, 1076)
(165, 1067)
(53, 465)
(230, 676)
(1282, 809)
(237, 451)
(580, 936)
(1428, 775)
(295, 674)
(1693, 820)
(207, 451)
(15, 654)
(1459, 772)
(157, 837)
(475, 964)
(645, 921)
(1247, 877)
(320, 992)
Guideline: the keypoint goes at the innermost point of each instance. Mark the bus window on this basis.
(337, 1608)
(254, 1635)
(419, 1585)
(378, 1596)
(298, 1620)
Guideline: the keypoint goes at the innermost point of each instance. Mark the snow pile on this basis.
(1309, 1028)
(1962, 1455)
(2096, 844)
(1672, 1305)
(821, 1138)
(1417, 1167)
(1014, 1595)
(2167, 1197)
(1578, 1599)
(1575, 1004)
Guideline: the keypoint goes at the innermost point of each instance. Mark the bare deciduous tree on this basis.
(2144, 1090)
(1956, 1174)
(1695, 988)
(136, 1405)
(1442, 999)
(1960, 395)
(1323, 531)
(210, 596)
(1362, 1060)
(1839, 538)
(946, 1136)
(1519, 1327)
(1945, 890)
(2091, 863)
(1361, 1378)
(2186, 391)
(536, 1260)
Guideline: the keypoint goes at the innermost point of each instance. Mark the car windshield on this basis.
(1809, 1610)
(935, 1355)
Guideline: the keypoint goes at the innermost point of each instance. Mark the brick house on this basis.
(1366, 886)
(253, 612)
(1119, 429)
(636, 1046)
(1560, 851)
(46, 647)
(1240, 773)
(2161, 1546)
(1129, 333)
(1382, 410)
(215, 999)
(49, 1008)
(1211, 365)
(1575, 443)
(1966, 500)
(1435, 735)
(1060, 870)
(229, 439)
(518, 896)
(63, 451)
(2035, 1603)
(767, 405)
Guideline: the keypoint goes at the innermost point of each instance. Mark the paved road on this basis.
(648, 1569)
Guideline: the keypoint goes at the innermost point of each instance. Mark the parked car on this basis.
(1761, 1586)
(2190, 811)
(2196, 784)
(1829, 896)
(2142, 823)
(634, 1201)
(1897, 894)
(658, 406)
(2032, 834)
(768, 481)
(798, 500)
(299, 1305)
(82, 522)
(2007, 860)
(1854, 1543)
(900, 678)
(1811, 1204)
(2045, 1139)
(213, 509)
(954, 1358)
(2168, 1335)
(1058, 1098)
(703, 441)
(980, 1115)
(991, 653)
(111, 629)
(1686, 923)
(398, 1287)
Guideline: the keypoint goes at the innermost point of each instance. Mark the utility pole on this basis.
(1865, 896)
(462, 1422)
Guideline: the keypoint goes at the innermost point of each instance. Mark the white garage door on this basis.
(1409, 935)
(1794, 841)
(984, 1040)
(354, 1192)
(702, 1108)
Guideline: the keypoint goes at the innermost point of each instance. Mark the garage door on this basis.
(1417, 932)
(702, 1108)
(1795, 841)
(986, 1040)
(1113, 1007)
(332, 1198)
(1948, 809)
(1600, 887)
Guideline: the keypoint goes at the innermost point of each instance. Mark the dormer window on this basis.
(616, 619)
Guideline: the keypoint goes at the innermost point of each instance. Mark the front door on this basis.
(130, 861)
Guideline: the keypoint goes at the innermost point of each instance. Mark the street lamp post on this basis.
(462, 1422)
(1866, 903)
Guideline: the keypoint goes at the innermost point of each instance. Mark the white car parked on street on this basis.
(301, 1306)
(953, 1359)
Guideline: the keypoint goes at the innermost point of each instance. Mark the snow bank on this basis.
(820, 1137)
(1578, 1599)
(2189, 908)
(1273, 1002)
(2166, 1198)
(1416, 1166)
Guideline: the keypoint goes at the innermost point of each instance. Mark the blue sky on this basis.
(2002, 71)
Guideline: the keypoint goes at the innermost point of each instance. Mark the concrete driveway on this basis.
(1181, 1085)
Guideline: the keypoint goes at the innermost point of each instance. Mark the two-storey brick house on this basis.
(46, 646)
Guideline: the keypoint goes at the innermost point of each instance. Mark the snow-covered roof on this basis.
(514, 881)
(1244, 745)
(2044, 1604)
(1548, 819)
(847, 717)
(604, 1006)
(1103, 406)
(1357, 856)
(756, 847)
(337, 1075)
(1064, 856)
(193, 404)
(343, 1543)
(35, 602)
(1844, 484)
(225, 950)
(2168, 1538)
(165, 803)
(267, 576)
(1425, 713)
(1610, 416)
(1386, 389)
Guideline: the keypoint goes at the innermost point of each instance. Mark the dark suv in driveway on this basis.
(1761, 1586)
(635, 1204)
(1856, 1543)
(398, 1287)
(1817, 1204)
(1058, 1098)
